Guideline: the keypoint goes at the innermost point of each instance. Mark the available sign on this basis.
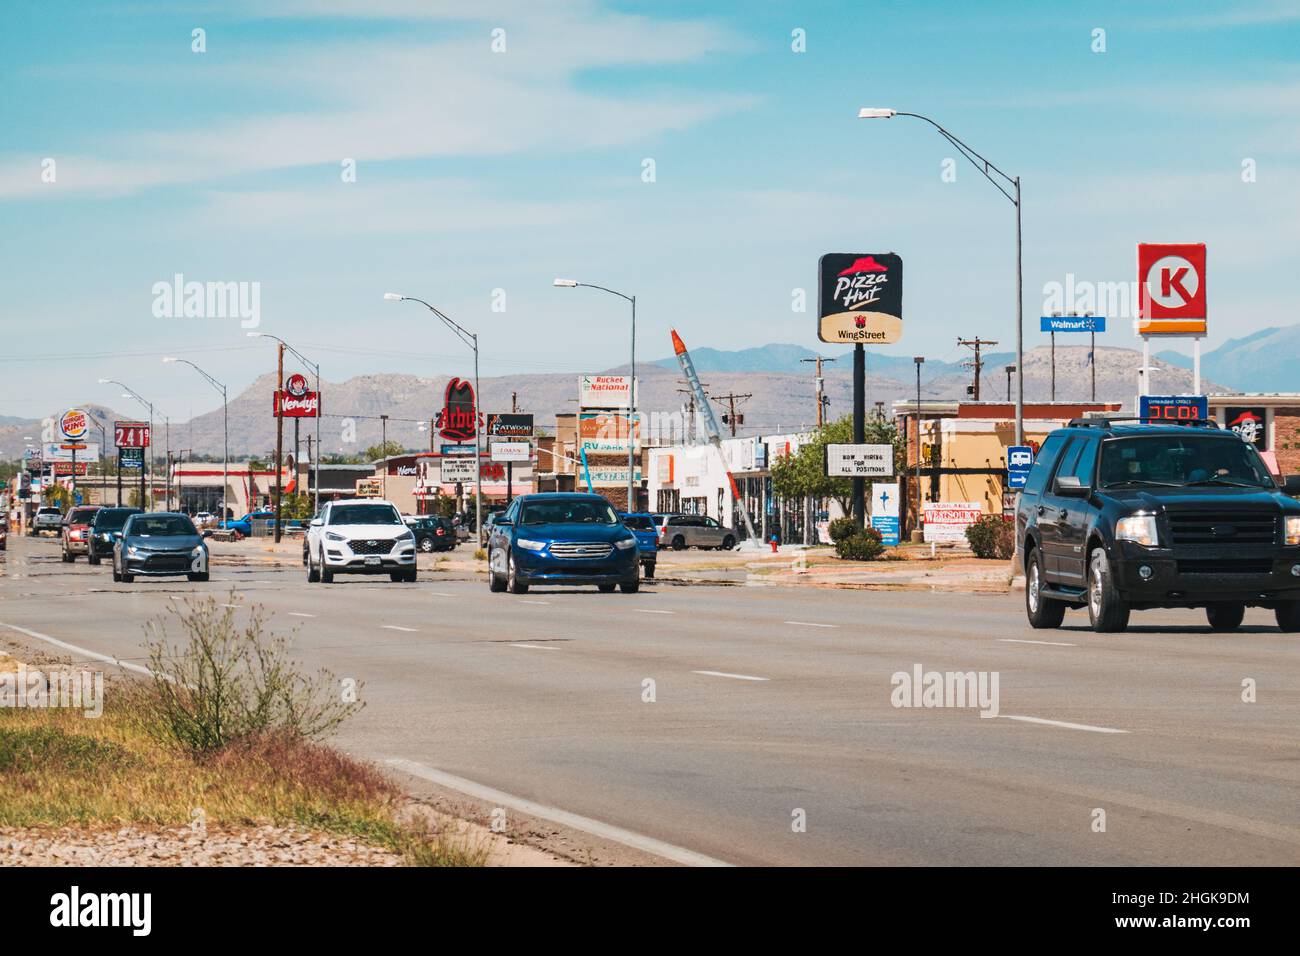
(604, 391)
(131, 434)
(948, 520)
(859, 461)
(884, 511)
(1173, 409)
(1171, 288)
(510, 425)
(510, 450)
(860, 298)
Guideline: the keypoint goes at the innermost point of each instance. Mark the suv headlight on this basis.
(1140, 529)
(529, 544)
(406, 535)
(1293, 529)
(331, 536)
(624, 543)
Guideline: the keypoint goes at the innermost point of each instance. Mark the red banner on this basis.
(286, 405)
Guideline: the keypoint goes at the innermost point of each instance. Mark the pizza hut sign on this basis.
(458, 419)
(860, 298)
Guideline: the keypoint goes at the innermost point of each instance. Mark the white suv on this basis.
(360, 536)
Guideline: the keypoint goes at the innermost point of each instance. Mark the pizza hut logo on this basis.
(458, 419)
(860, 284)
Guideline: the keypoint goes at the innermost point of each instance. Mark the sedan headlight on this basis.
(1140, 529)
(133, 551)
(1293, 529)
(529, 544)
(624, 543)
(197, 552)
(331, 536)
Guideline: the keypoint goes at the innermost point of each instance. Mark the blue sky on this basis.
(480, 171)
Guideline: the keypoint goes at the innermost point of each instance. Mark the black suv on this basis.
(1119, 516)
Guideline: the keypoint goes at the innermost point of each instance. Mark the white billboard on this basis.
(604, 391)
(860, 461)
(510, 450)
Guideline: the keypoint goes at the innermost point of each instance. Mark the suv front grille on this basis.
(1223, 527)
(371, 546)
(581, 549)
(1224, 566)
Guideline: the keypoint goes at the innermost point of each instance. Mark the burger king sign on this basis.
(74, 424)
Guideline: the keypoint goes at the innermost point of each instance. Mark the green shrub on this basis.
(863, 545)
(842, 528)
(992, 536)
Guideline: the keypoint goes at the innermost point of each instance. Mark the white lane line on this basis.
(563, 817)
(93, 655)
(646, 610)
(536, 647)
(441, 594)
(1012, 640)
(810, 624)
(725, 674)
(398, 627)
(1065, 724)
(534, 602)
(300, 614)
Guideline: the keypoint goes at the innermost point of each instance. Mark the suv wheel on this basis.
(1042, 612)
(326, 575)
(1225, 616)
(1288, 616)
(92, 557)
(679, 543)
(1106, 609)
(313, 572)
(513, 584)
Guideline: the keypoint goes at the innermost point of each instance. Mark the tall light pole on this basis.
(631, 421)
(470, 339)
(919, 360)
(988, 170)
(225, 429)
(320, 409)
(131, 393)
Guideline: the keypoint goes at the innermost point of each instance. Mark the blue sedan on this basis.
(562, 539)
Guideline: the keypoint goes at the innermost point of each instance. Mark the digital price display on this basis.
(1173, 409)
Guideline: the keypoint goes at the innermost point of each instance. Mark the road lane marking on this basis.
(646, 610)
(725, 674)
(441, 594)
(536, 647)
(534, 602)
(606, 831)
(1012, 640)
(300, 614)
(398, 627)
(93, 655)
(1065, 724)
(810, 624)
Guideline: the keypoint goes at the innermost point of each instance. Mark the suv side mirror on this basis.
(1291, 485)
(317, 522)
(501, 522)
(1070, 486)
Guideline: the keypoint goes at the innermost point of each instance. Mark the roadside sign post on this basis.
(884, 512)
(1020, 459)
(1092, 324)
(1171, 300)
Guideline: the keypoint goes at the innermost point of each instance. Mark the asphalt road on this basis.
(772, 700)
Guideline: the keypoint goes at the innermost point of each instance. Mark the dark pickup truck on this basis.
(1117, 517)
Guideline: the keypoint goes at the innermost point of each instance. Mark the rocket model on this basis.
(711, 426)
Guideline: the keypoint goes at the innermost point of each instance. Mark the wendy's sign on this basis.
(860, 298)
(458, 419)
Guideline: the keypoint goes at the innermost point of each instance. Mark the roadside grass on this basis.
(59, 768)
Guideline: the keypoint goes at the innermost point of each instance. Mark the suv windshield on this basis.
(112, 519)
(364, 514)
(1178, 459)
(161, 525)
(567, 511)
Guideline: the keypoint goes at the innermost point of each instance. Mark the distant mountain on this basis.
(1265, 361)
(766, 358)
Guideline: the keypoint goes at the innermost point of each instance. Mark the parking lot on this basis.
(704, 722)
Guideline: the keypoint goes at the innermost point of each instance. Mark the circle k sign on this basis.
(1171, 289)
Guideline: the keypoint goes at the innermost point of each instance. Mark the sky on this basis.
(700, 156)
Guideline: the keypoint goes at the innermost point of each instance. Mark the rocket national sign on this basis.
(860, 298)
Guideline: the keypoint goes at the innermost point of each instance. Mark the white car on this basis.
(360, 536)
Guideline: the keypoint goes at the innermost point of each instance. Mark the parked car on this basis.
(157, 544)
(1118, 517)
(4, 534)
(105, 531)
(244, 525)
(48, 519)
(433, 533)
(647, 539)
(76, 531)
(360, 536)
(205, 519)
(681, 531)
(562, 538)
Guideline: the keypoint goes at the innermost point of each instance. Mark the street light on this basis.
(470, 339)
(988, 170)
(919, 360)
(320, 409)
(631, 421)
(129, 392)
(225, 429)
(1010, 369)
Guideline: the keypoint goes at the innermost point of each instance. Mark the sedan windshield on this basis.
(567, 511)
(161, 525)
(1182, 459)
(639, 522)
(112, 519)
(365, 514)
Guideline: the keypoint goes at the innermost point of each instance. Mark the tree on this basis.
(386, 449)
(803, 474)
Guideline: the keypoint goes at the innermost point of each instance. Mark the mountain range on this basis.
(1265, 361)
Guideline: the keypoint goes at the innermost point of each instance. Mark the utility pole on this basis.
(690, 408)
(919, 360)
(279, 433)
(976, 343)
(821, 388)
(510, 465)
(383, 452)
(1010, 371)
(731, 405)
